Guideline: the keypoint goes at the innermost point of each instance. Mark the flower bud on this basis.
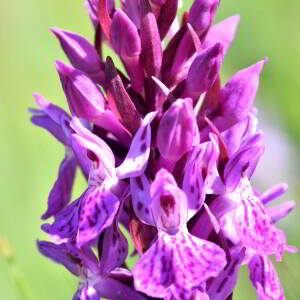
(223, 32)
(151, 44)
(86, 101)
(124, 35)
(177, 131)
(239, 93)
(126, 42)
(81, 53)
(201, 15)
(84, 97)
(204, 71)
(166, 16)
(132, 10)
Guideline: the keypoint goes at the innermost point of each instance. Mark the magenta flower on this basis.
(167, 152)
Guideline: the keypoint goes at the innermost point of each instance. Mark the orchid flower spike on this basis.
(168, 152)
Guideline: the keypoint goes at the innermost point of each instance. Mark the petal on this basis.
(113, 289)
(222, 32)
(60, 193)
(238, 95)
(181, 293)
(244, 161)
(141, 199)
(126, 42)
(254, 225)
(60, 254)
(177, 262)
(162, 178)
(89, 136)
(97, 212)
(196, 260)
(114, 249)
(136, 159)
(44, 121)
(235, 134)
(154, 271)
(222, 286)
(169, 203)
(52, 118)
(219, 207)
(66, 221)
(56, 113)
(81, 156)
(103, 156)
(273, 193)
(280, 211)
(264, 278)
(199, 173)
(193, 184)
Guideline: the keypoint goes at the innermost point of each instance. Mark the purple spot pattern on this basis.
(254, 225)
(60, 193)
(221, 287)
(97, 213)
(179, 262)
(141, 199)
(264, 278)
(198, 173)
(60, 253)
(115, 249)
(136, 160)
(66, 221)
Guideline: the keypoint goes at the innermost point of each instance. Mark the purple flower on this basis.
(177, 262)
(167, 152)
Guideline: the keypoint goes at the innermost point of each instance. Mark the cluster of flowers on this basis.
(167, 152)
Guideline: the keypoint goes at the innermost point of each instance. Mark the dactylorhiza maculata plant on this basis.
(167, 152)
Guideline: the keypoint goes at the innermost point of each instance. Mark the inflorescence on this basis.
(167, 152)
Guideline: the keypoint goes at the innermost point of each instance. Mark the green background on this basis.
(29, 157)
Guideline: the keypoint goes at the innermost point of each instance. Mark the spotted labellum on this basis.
(168, 153)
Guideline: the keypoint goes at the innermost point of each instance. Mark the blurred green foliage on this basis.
(30, 157)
